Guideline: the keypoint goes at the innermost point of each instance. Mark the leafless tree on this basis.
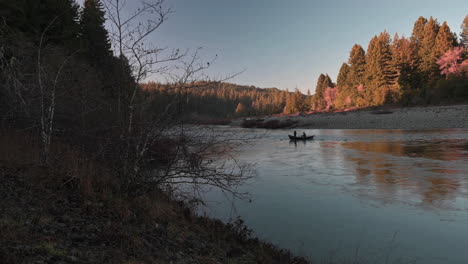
(48, 78)
(190, 161)
(24, 93)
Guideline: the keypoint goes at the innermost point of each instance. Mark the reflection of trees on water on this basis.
(427, 174)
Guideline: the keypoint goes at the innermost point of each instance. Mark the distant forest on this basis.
(222, 100)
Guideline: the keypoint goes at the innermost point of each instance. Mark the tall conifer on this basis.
(444, 42)
(428, 66)
(342, 78)
(418, 31)
(464, 33)
(357, 63)
(93, 34)
(33, 17)
(380, 73)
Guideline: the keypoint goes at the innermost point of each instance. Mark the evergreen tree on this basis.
(357, 63)
(319, 88)
(33, 17)
(299, 102)
(380, 74)
(444, 42)
(343, 88)
(93, 34)
(342, 78)
(379, 70)
(418, 31)
(427, 65)
(464, 33)
(404, 61)
(318, 102)
(416, 39)
(289, 106)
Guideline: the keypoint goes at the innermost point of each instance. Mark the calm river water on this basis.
(377, 196)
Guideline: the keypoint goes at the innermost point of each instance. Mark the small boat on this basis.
(301, 137)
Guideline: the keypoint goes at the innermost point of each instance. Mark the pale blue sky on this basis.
(287, 44)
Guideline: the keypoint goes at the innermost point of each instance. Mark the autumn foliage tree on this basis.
(453, 62)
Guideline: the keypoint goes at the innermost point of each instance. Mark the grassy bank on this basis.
(72, 212)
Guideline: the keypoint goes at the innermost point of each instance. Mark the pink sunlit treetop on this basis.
(452, 62)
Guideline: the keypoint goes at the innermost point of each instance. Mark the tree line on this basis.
(222, 99)
(429, 67)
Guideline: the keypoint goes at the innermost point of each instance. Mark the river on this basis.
(369, 196)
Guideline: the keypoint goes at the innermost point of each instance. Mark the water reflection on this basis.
(357, 188)
(430, 173)
(296, 142)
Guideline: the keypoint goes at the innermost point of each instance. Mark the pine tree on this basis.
(357, 62)
(464, 33)
(418, 31)
(318, 102)
(428, 66)
(289, 106)
(319, 88)
(380, 73)
(342, 78)
(93, 34)
(33, 17)
(342, 86)
(444, 42)
(372, 72)
(404, 61)
(378, 62)
(299, 102)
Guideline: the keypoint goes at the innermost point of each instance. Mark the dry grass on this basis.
(18, 147)
(68, 167)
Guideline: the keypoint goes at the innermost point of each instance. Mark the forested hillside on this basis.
(222, 100)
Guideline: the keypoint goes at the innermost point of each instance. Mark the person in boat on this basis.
(303, 135)
(295, 133)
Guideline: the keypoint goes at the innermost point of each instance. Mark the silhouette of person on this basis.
(295, 133)
(303, 135)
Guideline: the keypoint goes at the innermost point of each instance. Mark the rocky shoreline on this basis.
(431, 117)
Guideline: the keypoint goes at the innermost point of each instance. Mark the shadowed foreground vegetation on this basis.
(73, 212)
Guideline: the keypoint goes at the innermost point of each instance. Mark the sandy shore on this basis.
(455, 116)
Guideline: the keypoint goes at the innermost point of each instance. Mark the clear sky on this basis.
(288, 43)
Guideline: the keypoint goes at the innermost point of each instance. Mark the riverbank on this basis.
(71, 212)
(455, 116)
